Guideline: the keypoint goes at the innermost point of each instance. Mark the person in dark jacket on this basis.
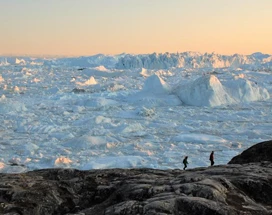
(212, 158)
(185, 162)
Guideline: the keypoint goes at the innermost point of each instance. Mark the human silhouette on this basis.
(185, 162)
(212, 158)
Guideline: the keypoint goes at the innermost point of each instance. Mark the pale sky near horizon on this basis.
(87, 27)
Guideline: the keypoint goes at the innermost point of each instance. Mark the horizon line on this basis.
(123, 53)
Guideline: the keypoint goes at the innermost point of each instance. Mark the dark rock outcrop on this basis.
(220, 190)
(257, 153)
(77, 90)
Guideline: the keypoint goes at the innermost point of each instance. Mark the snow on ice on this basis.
(129, 111)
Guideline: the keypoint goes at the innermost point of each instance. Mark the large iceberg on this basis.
(209, 91)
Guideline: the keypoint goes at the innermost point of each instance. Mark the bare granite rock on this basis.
(257, 153)
(232, 189)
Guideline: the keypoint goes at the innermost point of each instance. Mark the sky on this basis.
(88, 27)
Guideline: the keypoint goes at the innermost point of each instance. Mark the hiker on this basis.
(185, 162)
(212, 158)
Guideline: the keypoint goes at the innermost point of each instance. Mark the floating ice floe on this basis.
(63, 161)
(199, 138)
(90, 81)
(116, 162)
(7, 106)
(155, 92)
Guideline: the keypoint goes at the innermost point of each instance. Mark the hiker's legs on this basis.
(212, 163)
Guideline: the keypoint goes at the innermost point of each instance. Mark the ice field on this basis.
(132, 111)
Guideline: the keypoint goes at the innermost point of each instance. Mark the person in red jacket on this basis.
(212, 158)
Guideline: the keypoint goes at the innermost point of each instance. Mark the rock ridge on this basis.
(223, 189)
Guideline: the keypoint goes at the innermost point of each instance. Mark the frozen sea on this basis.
(96, 115)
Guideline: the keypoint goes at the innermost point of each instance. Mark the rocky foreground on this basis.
(241, 187)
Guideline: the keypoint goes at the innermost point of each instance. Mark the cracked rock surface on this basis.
(225, 189)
